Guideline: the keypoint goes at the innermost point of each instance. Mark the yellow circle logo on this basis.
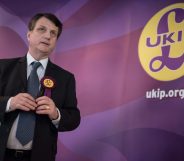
(48, 83)
(161, 44)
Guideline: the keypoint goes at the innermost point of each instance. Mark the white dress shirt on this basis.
(13, 142)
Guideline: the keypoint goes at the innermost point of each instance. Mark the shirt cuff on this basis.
(8, 109)
(56, 122)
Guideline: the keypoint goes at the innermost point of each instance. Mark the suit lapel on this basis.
(49, 69)
(23, 72)
(48, 72)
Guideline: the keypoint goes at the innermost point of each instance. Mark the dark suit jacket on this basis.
(13, 80)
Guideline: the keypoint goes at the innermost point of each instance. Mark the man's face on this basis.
(42, 39)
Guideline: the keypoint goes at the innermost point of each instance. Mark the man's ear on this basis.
(28, 35)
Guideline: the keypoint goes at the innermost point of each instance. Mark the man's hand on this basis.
(46, 106)
(23, 101)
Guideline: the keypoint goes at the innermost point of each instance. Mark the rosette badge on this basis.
(48, 83)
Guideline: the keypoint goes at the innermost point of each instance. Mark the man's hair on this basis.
(50, 16)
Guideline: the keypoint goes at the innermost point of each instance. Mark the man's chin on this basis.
(45, 50)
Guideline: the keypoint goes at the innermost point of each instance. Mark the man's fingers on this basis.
(22, 107)
(29, 104)
(23, 101)
(43, 100)
(28, 96)
(43, 107)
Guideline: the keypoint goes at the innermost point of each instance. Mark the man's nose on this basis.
(47, 35)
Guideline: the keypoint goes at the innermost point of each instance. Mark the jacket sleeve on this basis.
(3, 99)
(70, 114)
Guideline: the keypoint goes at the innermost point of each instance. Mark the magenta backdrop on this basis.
(99, 44)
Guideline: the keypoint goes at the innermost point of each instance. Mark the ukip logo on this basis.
(161, 44)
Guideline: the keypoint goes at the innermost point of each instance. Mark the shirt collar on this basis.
(30, 59)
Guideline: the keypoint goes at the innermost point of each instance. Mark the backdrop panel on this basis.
(127, 57)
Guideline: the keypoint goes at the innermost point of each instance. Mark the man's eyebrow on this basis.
(46, 27)
(41, 26)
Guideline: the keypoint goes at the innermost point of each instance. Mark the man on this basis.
(53, 108)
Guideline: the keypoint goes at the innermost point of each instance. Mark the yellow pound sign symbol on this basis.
(48, 83)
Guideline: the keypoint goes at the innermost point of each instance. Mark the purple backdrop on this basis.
(99, 44)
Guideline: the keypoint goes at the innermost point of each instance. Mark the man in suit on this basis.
(52, 109)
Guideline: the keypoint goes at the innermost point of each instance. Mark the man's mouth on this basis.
(45, 43)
